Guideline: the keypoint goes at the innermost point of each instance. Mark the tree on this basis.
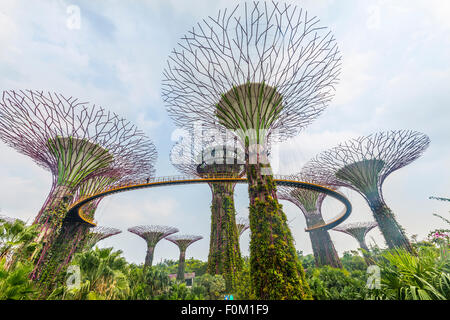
(362, 164)
(262, 71)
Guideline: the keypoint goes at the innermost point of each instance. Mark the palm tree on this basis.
(103, 276)
(15, 284)
(16, 237)
(408, 277)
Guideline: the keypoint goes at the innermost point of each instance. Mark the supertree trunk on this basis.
(366, 253)
(149, 256)
(182, 241)
(224, 251)
(181, 264)
(276, 274)
(59, 254)
(322, 245)
(393, 233)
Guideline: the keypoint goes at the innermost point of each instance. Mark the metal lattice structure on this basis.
(359, 230)
(362, 164)
(152, 234)
(75, 141)
(439, 198)
(100, 233)
(242, 224)
(310, 204)
(183, 241)
(254, 50)
(263, 71)
(216, 156)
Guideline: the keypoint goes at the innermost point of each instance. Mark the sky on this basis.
(395, 75)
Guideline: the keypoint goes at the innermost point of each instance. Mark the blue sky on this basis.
(395, 75)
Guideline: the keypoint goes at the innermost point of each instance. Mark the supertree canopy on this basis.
(363, 164)
(242, 224)
(75, 141)
(359, 230)
(182, 241)
(260, 70)
(85, 240)
(7, 219)
(152, 234)
(310, 203)
(99, 233)
(217, 158)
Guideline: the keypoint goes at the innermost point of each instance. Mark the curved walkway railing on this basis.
(76, 211)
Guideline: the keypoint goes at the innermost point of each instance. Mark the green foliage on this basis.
(307, 261)
(147, 283)
(17, 236)
(191, 265)
(14, 284)
(211, 287)
(275, 270)
(179, 291)
(103, 276)
(329, 283)
(244, 290)
(224, 253)
(352, 261)
(409, 277)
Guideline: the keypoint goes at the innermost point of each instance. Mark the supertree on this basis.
(242, 224)
(87, 240)
(7, 219)
(263, 71)
(216, 157)
(310, 203)
(97, 234)
(362, 164)
(359, 230)
(75, 141)
(152, 234)
(182, 241)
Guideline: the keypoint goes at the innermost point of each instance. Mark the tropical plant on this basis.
(352, 261)
(103, 277)
(405, 276)
(243, 290)
(212, 287)
(327, 283)
(179, 291)
(191, 265)
(14, 284)
(147, 283)
(17, 238)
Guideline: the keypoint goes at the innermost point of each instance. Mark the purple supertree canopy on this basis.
(183, 240)
(74, 140)
(152, 234)
(261, 66)
(363, 164)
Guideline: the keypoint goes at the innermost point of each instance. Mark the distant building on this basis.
(188, 278)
